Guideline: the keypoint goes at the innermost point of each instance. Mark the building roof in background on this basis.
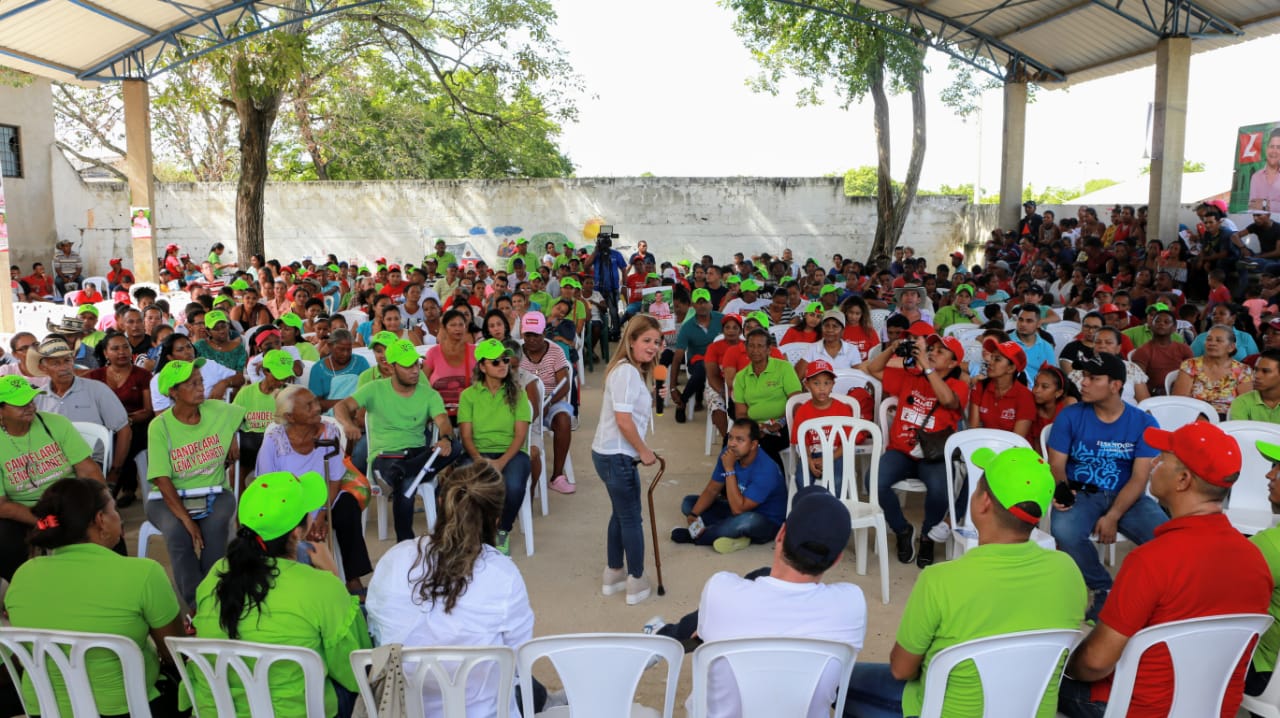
(1196, 188)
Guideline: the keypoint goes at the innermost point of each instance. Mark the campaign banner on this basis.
(140, 222)
(1256, 184)
(656, 301)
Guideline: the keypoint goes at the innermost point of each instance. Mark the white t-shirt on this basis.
(624, 391)
(848, 357)
(591, 304)
(740, 307)
(735, 607)
(494, 611)
(212, 372)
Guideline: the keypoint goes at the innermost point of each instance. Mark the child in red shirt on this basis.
(820, 380)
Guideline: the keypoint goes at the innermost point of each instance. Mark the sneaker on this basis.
(653, 625)
(503, 543)
(637, 590)
(940, 532)
(555, 699)
(680, 534)
(125, 501)
(907, 545)
(615, 581)
(924, 556)
(724, 544)
(574, 424)
(1097, 599)
(561, 485)
(681, 415)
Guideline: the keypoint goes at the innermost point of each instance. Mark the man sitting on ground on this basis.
(1197, 565)
(744, 502)
(1005, 585)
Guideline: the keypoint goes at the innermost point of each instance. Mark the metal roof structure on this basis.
(108, 40)
(1057, 43)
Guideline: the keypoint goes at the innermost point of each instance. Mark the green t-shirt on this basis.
(259, 408)
(92, 340)
(443, 260)
(398, 422)
(369, 375)
(307, 351)
(49, 451)
(1141, 334)
(1250, 407)
(544, 301)
(129, 597)
(766, 394)
(1264, 657)
(496, 427)
(193, 457)
(949, 315)
(530, 263)
(992, 590)
(305, 607)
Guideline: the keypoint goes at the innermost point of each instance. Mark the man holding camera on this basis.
(607, 265)
(1100, 462)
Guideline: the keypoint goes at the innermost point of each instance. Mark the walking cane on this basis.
(653, 527)
(333, 448)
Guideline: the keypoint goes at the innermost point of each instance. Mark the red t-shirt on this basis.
(915, 400)
(799, 335)
(1037, 425)
(174, 265)
(114, 277)
(715, 352)
(1002, 412)
(42, 286)
(1195, 566)
(89, 295)
(635, 286)
(391, 290)
(1221, 295)
(807, 411)
(864, 339)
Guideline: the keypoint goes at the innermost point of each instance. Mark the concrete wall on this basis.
(28, 199)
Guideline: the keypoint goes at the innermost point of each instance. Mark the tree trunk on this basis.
(883, 242)
(903, 207)
(302, 111)
(256, 121)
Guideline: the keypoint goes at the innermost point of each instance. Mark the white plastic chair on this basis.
(600, 671)
(307, 366)
(36, 649)
(865, 514)
(963, 332)
(849, 379)
(229, 657)
(1204, 651)
(1174, 412)
(536, 435)
(879, 317)
(365, 352)
(967, 442)
(1267, 703)
(1168, 383)
(792, 454)
(95, 434)
(100, 283)
(795, 351)
(711, 427)
(1015, 671)
(70, 298)
(449, 667)
(884, 417)
(354, 318)
(775, 676)
(1249, 505)
(777, 331)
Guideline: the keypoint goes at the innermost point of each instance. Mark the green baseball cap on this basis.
(279, 363)
(274, 504)
(749, 285)
(1159, 307)
(1268, 450)
(289, 319)
(16, 390)
(653, 275)
(966, 288)
(733, 279)
(759, 317)
(402, 352)
(570, 282)
(828, 289)
(701, 295)
(176, 372)
(685, 263)
(491, 349)
(88, 309)
(814, 308)
(1016, 476)
(568, 245)
(522, 240)
(382, 339)
(222, 298)
(239, 285)
(212, 318)
(334, 268)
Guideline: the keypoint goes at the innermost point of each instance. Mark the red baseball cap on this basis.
(1110, 309)
(818, 366)
(1104, 288)
(951, 343)
(171, 248)
(1206, 450)
(1009, 350)
(921, 329)
(958, 255)
(738, 319)
(115, 260)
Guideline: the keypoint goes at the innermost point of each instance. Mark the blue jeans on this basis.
(722, 523)
(516, 476)
(400, 473)
(625, 532)
(1071, 529)
(188, 568)
(1073, 700)
(835, 481)
(896, 466)
(873, 692)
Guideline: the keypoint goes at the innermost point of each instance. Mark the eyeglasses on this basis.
(24, 347)
(500, 361)
(1091, 327)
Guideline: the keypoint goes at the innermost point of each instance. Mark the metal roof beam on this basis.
(21, 9)
(42, 62)
(1179, 17)
(1045, 20)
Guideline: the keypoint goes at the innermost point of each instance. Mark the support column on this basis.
(7, 323)
(1168, 136)
(137, 128)
(1013, 150)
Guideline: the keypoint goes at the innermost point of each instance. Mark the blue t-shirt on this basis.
(1101, 454)
(762, 482)
(1038, 354)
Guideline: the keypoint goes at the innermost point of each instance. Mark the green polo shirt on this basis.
(1141, 334)
(991, 590)
(259, 408)
(369, 375)
(1250, 407)
(305, 607)
(496, 428)
(85, 587)
(307, 351)
(395, 421)
(49, 451)
(530, 262)
(765, 394)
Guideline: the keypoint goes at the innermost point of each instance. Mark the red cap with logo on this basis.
(921, 329)
(816, 367)
(1009, 350)
(951, 343)
(1206, 450)
(1110, 309)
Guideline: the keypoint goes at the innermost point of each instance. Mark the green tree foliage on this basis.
(1188, 166)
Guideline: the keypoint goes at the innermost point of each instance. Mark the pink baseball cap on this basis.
(533, 323)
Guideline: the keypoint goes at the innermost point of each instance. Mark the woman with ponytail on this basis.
(1001, 399)
(257, 592)
(77, 523)
(454, 588)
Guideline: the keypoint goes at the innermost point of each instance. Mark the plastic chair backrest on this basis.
(1168, 382)
(1250, 490)
(229, 658)
(1204, 651)
(832, 431)
(885, 412)
(969, 441)
(600, 671)
(99, 282)
(449, 668)
(1044, 441)
(1015, 670)
(795, 351)
(93, 435)
(963, 332)
(775, 676)
(354, 318)
(796, 400)
(307, 366)
(777, 331)
(367, 353)
(850, 379)
(878, 319)
(1174, 412)
(35, 649)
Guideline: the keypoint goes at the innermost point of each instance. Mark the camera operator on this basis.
(607, 265)
(923, 371)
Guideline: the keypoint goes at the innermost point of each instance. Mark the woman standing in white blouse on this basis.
(619, 445)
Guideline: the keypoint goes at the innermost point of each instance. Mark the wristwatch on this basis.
(929, 371)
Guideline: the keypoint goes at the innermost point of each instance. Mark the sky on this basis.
(665, 93)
